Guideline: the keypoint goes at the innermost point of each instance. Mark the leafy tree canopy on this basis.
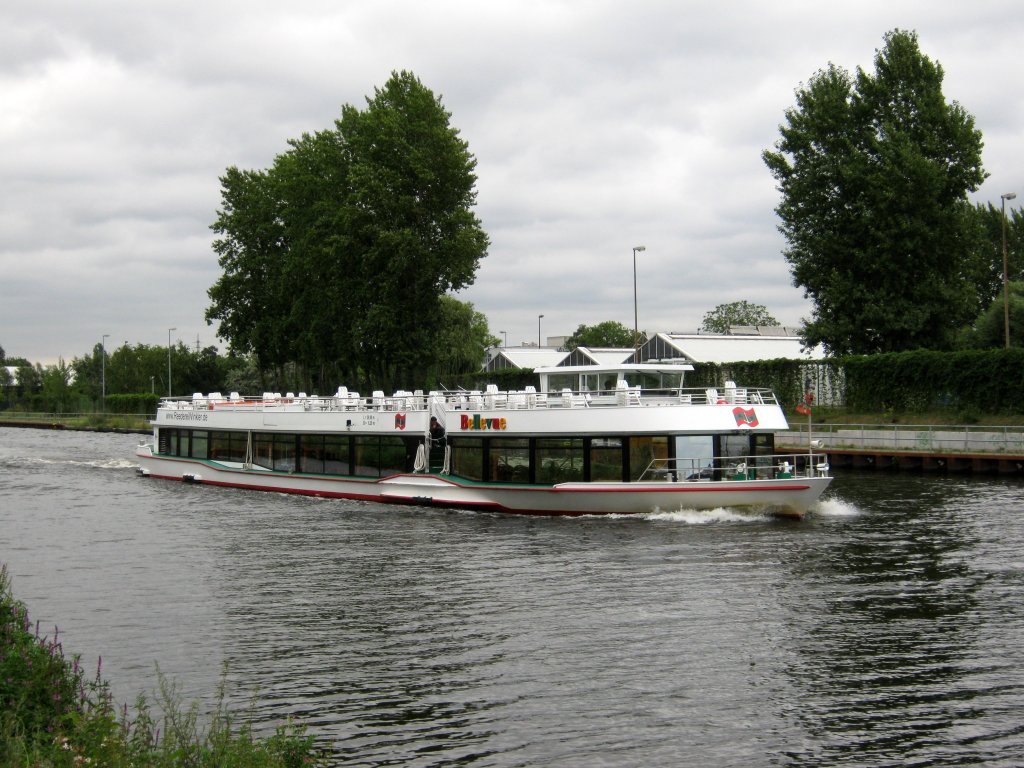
(989, 329)
(610, 333)
(337, 257)
(986, 267)
(722, 317)
(874, 171)
(464, 336)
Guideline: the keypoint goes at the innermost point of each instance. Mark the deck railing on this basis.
(486, 400)
(772, 467)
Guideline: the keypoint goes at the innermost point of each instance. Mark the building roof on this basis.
(605, 356)
(523, 357)
(732, 347)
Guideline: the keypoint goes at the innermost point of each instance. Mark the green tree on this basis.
(463, 341)
(56, 387)
(337, 257)
(251, 300)
(411, 193)
(874, 172)
(989, 329)
(724, 316)
(986, 267)
(88, 374)
(610, 333)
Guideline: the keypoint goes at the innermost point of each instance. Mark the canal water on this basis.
(887, 628)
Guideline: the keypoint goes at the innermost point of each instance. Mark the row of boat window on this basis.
(545, 460)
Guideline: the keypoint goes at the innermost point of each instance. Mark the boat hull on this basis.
(789, 496)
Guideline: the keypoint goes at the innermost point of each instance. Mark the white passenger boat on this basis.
(589, 441)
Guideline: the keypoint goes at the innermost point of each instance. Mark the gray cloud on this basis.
(597, 127)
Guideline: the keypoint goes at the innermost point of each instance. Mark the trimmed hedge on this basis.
(987, 381)
(134, 404)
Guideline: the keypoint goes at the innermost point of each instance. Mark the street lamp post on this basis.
(1006, 273)
(169, 360)
(103, 372)
(538, 330)
(636, 328)
(505, 335)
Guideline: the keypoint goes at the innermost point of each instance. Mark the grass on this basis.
(53, 716)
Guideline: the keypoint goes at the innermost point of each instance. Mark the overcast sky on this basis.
(597, 126)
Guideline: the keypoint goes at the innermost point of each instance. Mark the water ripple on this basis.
(884, 629)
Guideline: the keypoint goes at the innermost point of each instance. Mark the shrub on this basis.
(51, 716)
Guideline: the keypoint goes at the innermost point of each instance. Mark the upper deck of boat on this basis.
(490, 399)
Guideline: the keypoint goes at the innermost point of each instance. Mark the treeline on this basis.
(129, 379)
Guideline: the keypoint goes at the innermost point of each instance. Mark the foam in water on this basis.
(98, 463)
(834, 507)
(705, 516)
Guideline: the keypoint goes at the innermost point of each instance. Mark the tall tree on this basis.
(465, 337)
(411, 193)
(250, 300)
(610, 333)
(724, 316)
(337, 257)
(874, 172)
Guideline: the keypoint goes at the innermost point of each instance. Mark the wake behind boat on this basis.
(623, 439)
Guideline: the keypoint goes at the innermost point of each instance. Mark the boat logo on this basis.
(745, 417)
(476, 421)
(399, 421)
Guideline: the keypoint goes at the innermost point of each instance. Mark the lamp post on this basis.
(1006, 272)
(169, 360)
(636, 329)
(103, 372)
(538, 330)
(505, 334)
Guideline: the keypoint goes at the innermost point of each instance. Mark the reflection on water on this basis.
(884, 629)
(892, 655)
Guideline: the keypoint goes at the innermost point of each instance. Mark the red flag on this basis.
(804, 409)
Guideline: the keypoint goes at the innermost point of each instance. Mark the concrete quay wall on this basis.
(937, 449)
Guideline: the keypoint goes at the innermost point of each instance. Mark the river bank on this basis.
(123, 425)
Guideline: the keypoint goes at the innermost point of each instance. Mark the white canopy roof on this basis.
(729, 348)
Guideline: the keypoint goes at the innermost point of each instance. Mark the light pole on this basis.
(636, 330)
(505, 335)
(538, 330)
(1006, 273)
(103, 372)
(169, 360)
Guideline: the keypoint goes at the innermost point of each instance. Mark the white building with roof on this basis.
(504, 358)
(740, 345)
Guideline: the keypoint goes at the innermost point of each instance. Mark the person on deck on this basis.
(436, 431)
